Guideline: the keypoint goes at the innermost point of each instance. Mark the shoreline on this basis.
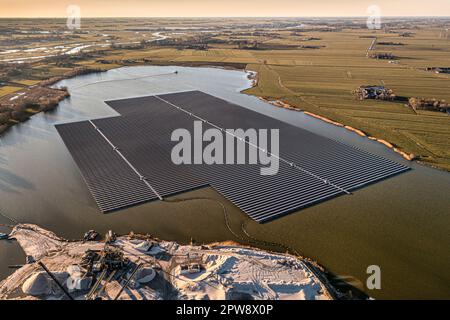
(284, 105)
(43, 98)
(252, 76)
(287, 276)
(79, 71)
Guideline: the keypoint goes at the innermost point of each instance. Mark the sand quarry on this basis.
(151, 269)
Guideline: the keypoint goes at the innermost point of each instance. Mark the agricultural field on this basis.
(312, 65)
(8, 90)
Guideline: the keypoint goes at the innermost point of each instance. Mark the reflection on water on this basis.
(401, 224)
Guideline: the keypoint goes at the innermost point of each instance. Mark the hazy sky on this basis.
(222, 8)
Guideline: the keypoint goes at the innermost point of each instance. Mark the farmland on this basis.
(313, 67)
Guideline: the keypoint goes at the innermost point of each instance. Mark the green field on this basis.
(8, 90)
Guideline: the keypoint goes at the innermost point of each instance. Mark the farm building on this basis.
(439, 69)
(247, 45)
(382, 56)
(374, 92)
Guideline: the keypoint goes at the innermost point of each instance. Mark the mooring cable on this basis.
(249, 239)
(9, 218)
(224, 210)
(252, 240)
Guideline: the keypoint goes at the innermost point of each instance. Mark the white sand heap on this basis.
(241, 273)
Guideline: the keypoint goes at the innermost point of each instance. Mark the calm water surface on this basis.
(401, 224)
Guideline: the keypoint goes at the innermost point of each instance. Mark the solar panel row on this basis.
(111, 182)
(322, 168)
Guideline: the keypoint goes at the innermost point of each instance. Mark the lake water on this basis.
(401, 224)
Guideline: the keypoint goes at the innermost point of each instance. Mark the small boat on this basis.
(4, 236)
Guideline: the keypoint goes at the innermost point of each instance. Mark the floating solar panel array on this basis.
(126, 160)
